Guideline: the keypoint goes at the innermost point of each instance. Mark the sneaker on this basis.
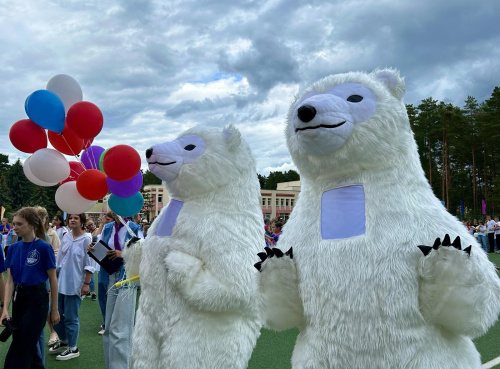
(68, 354)
(94, 297)
(58, 348)
(101, 332)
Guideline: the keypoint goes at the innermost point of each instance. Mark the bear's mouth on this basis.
(157, 162)
(320, 126)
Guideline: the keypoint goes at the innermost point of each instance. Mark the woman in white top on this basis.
(482, 237)
(75, 269)
(59, 226)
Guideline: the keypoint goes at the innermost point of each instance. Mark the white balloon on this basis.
(67, 88)
(69, 200)
(31, 177)
(49, 165)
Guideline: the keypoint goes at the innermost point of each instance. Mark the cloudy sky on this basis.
(156, 68)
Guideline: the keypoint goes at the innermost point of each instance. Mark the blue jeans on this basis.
(92, 284)
(40, 347)
(483, 241)
(102, 290)
(69, 326)
(120, 314)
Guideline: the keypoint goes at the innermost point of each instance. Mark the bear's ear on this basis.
(232, 137)
(391, 78)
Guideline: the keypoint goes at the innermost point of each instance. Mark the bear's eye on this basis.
(355, 98)
(190, 147)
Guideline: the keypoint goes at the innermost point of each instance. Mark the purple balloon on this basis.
(90, 157)
(125, 188)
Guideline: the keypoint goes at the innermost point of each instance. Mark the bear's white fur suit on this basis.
(199, 304)
(357, 285)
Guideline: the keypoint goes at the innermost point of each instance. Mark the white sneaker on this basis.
(68, 354)
(58, 348)
(101, 332)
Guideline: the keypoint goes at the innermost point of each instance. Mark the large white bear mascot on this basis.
(199, 304)
(348, 269)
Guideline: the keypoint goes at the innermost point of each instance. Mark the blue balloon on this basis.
(126, 206)
(46, 109)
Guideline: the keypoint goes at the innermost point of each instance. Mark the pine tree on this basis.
(21, 188)
(5, 198)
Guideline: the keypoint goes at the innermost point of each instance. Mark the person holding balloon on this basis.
(29, 264)
(120, 306)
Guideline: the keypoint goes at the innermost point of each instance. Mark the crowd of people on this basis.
(272, 230)
(487, 233)
(49, 271)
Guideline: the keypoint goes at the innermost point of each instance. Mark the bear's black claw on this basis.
(258, 265)
(132, 241)
(446, 240)
(262, 256)
(456, 243)
(269, 252)
(468, 249)
(289, 253)
(437, 243)
(277, 252)
(425, 249)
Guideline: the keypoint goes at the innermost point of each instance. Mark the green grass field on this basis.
(273, 350)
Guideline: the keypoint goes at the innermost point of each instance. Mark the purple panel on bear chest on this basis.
(167, 221)
(343, 212)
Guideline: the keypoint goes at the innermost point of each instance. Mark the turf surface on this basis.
(273, 350)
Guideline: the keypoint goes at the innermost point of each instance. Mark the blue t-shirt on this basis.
(2, 262)
(29, 262)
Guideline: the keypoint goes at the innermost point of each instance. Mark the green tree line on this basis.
(270, 182)
(459, 149)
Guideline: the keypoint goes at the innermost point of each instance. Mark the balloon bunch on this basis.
(72, 125)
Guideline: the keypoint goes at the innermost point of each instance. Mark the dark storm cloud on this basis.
(266, 64)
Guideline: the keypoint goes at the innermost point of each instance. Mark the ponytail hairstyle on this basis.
(44, 216)
(31, 216)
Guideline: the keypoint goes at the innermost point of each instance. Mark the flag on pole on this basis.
(462, 207)
(483, 207)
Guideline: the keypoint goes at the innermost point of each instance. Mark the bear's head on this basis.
(350, 122)
(201, 160)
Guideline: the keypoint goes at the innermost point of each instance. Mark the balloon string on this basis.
(77, 158)
(91, 156)
(94, 160)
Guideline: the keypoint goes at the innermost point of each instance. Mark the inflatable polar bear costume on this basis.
(199, 298)
(355, 283)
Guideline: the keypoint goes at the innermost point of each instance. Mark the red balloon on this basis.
(91, 184)
(85, 119)
(121, 162)
(27, 136)
(87, 143)
(66, 142)
(75, 170)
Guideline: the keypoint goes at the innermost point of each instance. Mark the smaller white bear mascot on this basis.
(359, 267)
(199, 304)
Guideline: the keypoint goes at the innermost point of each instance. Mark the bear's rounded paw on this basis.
(271, 252)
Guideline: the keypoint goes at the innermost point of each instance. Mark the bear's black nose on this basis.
(149, 152)
(306, 113)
